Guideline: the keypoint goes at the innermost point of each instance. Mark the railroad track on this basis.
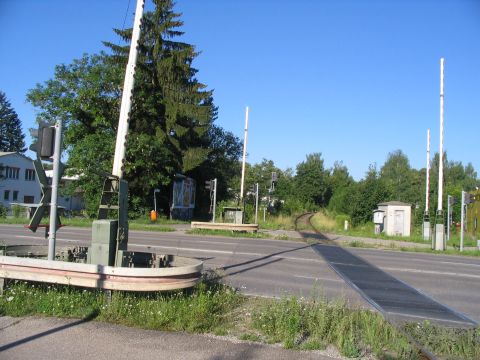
(303, 222)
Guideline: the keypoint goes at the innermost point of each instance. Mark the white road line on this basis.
(228, 252)
(375, 257)
(433, 272)
(317, 278)
(42, 238)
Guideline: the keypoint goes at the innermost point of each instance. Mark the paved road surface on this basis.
(51, 338)
(267, 267)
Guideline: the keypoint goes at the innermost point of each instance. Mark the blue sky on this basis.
(353, 80)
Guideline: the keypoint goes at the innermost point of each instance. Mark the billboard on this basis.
(183, 192)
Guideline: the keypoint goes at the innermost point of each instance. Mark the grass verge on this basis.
(449, 343)
(201, 309)
(324, 223)
(393, 246)
(143, 225)
(215, 308)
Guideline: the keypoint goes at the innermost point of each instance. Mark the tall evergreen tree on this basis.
(167, 96)
(11, 136)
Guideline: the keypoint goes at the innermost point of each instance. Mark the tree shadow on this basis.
(256, 262)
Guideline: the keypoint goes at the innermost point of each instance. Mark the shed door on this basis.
(398, 222)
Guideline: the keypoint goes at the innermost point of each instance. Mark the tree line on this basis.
(313, 186)
(173, 130)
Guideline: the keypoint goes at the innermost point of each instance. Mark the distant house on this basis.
(19, 184)
(18, 180)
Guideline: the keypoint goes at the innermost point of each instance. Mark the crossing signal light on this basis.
(208, 184)
(468, 198)
(45, 145)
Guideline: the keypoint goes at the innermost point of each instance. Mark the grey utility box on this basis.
(104, 238)
(233, 215)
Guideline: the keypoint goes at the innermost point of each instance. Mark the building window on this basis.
(29, 174)
(15, 195)
(6, 195)
(27, 199)
(12, 172)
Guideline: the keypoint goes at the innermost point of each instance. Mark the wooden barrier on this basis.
(224, 226)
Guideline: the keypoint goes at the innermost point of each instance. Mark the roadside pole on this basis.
(439, 243)
(244, 154)
(214, 198)
(256, 203)
(449, 215)
(55, 181)
(462, 221)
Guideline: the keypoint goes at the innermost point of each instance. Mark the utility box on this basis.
(378, 220)
(104, 239)
(397, 218)
(233, 215)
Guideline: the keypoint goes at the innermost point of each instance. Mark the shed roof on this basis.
(4, 153)
(394, 203)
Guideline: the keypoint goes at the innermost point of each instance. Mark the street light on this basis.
(155, 199)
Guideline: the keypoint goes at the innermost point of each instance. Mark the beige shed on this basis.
(397, 218)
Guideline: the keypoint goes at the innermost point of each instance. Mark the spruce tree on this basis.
(167, 96)
(11, 136)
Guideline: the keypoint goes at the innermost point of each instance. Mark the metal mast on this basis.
(426, 215)
(428, 174)
(440, 164)
(244, 153)
(439, 226)
(122, 132)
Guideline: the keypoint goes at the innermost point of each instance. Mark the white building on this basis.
(397, 218)
(19, 183)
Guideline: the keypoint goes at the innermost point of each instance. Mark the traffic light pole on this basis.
(449, 215)
(439, 243)
(462, 221)
(55, 181)
(256, 203)
(214, 198)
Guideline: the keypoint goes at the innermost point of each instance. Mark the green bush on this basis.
(17, 211)
(3, 211)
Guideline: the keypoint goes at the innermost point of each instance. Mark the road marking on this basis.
(317, 278)
(43, 238)
(375, 257)
(433, 272)
(176, 248)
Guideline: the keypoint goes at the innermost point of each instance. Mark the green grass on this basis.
(314, 325)
(322, 221)
(393, 246)
(280, 222)
(215, 308)
(448, 343)
(138, 224)
(202, 309)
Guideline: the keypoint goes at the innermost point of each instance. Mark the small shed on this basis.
(397, 218)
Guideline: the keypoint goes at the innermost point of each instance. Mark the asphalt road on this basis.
(274, 268)
(51, 338)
